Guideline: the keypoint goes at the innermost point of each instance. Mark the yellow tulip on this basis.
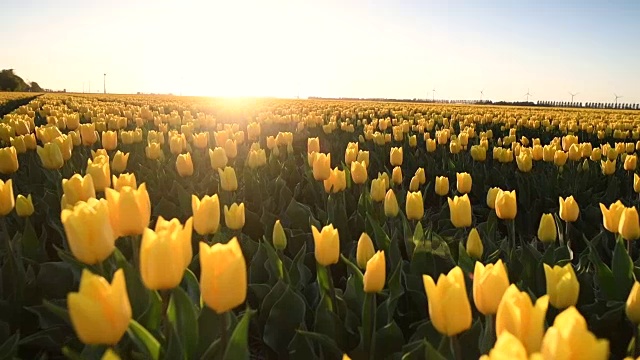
(396, 175)
(129, 209)
(474, 244)
(51, 156)
(611, 216)
(636, 183)
(375, 274)
(414, 205)
(184, 165)
(478, 153)
(506, 205)
(629, 225)
(7, 201)
(223, 275)
(336, 182)
(206, 214)
(201, 140)
(463, 182)
(414, 185)
(430, 144)
(119, 162)
(442, 185)
(109, 140)
(363, 156)
(492, 194)
(454, 146)
(460, 211)
(449, 307)
(89, 232)
(100, 312)
(519, 316)
(548, 153)
(391, 207)
(8, 160)
(110, 355)
(153, 151)
(630, 163)
(77, 188)
(88, 134)
(327, 245)
(563, 287)
(608, 167)
(569, 209)
(350, 155)
(490, 282)
(524, 162)
(218, 158)
(100, 172)
(228, 180)
(358, 172)
(19, 144)
(321, 166)
(547, 232)
(574, 153)
(313, 145)
(395, 156)
(99, 152)
(569, 338)
(231, 149)
(24, 206)
(509, 347)
(632, 308)
(165, 253)
(560, 158)
(124, 180)
(364, 251)
(234, 216)
(278, 236)
(596, 154)
(420, 174)
(377, 189)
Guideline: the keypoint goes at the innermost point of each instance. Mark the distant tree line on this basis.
(591, 105)
(9, 81)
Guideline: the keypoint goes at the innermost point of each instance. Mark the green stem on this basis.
(224, 331)
(325, 281)
(630, 249)
(443, 343)
(490, 333)
(284, 275)
(165, 295)
(456, 350)
(135, 251)
(369, 324)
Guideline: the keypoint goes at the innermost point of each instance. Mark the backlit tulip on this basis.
(490, 282)
(519, 316)
(430, 144)
(77, 188)
(442, 185)
(569, 209)
(184, 165)
(89, 134)
(395, 156)
(109, 140)
(569, 338)
(358, 172)
(396, 175)
(460, 211)
(130, 209)
(321, 166)
(313, 144)
(218, 158)
(547, 232)
(629, 225)
(234, 216)
(223, 275)
(377, 189)
(463, 182)
(449, 308)
(506, 205)
(165, 253)
(336, 182)
(24, 206)
(632, 307)
(228, 180)
(201, 140)
(563, 287)
(375, 273)
(7, 201)
(153, 151)
(611, 216)
(89, 232)
(391, 207)
(474, 245)
(100, 172)
(278, 236)
(327, 245)
(231, 149)
(100, 312)
(574, 152)
(124, 180)
(630, 163)
(50, 156)
(364, 251)
(414, 185)
(414, 205)
(206, 214)
(363, 156)
(119, 162)
(8, 160)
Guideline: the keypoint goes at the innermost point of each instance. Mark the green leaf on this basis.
(144, 340)
(31, 246)
(604, 276)
(421, 349)
(192, 287)
(622, 269)
(238, 347)
(285, 317)
(329, 346)
(59, 311)
(182, 315)
(379, 235)
(208, 330)
(9, 349)
(389, 340)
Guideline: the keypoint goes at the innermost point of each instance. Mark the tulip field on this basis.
(160, 227)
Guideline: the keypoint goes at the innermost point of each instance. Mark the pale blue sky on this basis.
(359, 48)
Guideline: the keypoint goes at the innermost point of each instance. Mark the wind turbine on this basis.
(527, 95)
(617, 97)
(572, 95)
(481, 94)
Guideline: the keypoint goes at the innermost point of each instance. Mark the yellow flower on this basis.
(509, 347)
(449, 307)
(124, 180)
(109, 140)
(519, 316)
(391, 207)
(223, 275)
(537, 152)
(414, 185)
(313, 145)
(231, 148)
(460, 211)
(177, 144)
(395, 156)
(563, 287)
(165, 254)
(414, 206)
(234, 216)
(100, 312)
(363, 156)
(206, 214)
(560, 158)
(358, 172)
(611, 216)
(463, 182)
(524, 162)
(632, 308)
(569, 338)
(506, 205)
(184, 165)
(7, 202)
(574, 152)
(548, 153)
(547, 232)
(51, 156)
(630, 163)
(110, 355)
(608, 167)
(396, 175)
(130, 209)
(8, 160)
(100, 172)
(89, 232)
(442, 185)
(119, 162)
(321, 166)
(377, 189)
(77, 188)
(88, 134)
(478, 153)
(596, 154)
(19, 144)
(413, 141)
(201, 140)
(364, 251)
(636, 183)
(218, 158)
(474, 244)
(629, 225)
(24, 206)
(430, 144)
(489, 284)
(153, 151)
(327, 245)
(420, 174)
(375, 274)
(569, 209)
(228, 180)
(278, 237)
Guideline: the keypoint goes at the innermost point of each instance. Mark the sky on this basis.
(330, 48)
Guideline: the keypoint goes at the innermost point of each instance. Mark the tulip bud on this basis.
(234, 216)
(563, 287)
(396, 175)
(218, 158)
(569, 209)
(206, 214)
(608, 167)
(184, 165)
(88, 134)
(119, 163)
(506, 205)
(464, 182)
(228, 180)
(358, 172)
(377, 190)
(519, 316)
(489, 285)
(8, 160)
(630, 163)
(442, 185)
(124, 180)
(375, 274)
(100, 312)
(278, 236)
(109, 140)
(327, 245)
(414, 185)
(231, 149)
(414, 205)
(364, 251)
(89, 232)
(130, 209)
(449, 307)
(460, 211)
(632, 308)
(629, 225)
(611, 216)
(7, 201)
(24, 206)
(223, 275)
(420, 174)
(77, 188)
(321, 166)
(51, 156)
(492, 194)
(395, 157)
(547, 229)
(313, 144)
(391, 207)
(474, 244)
